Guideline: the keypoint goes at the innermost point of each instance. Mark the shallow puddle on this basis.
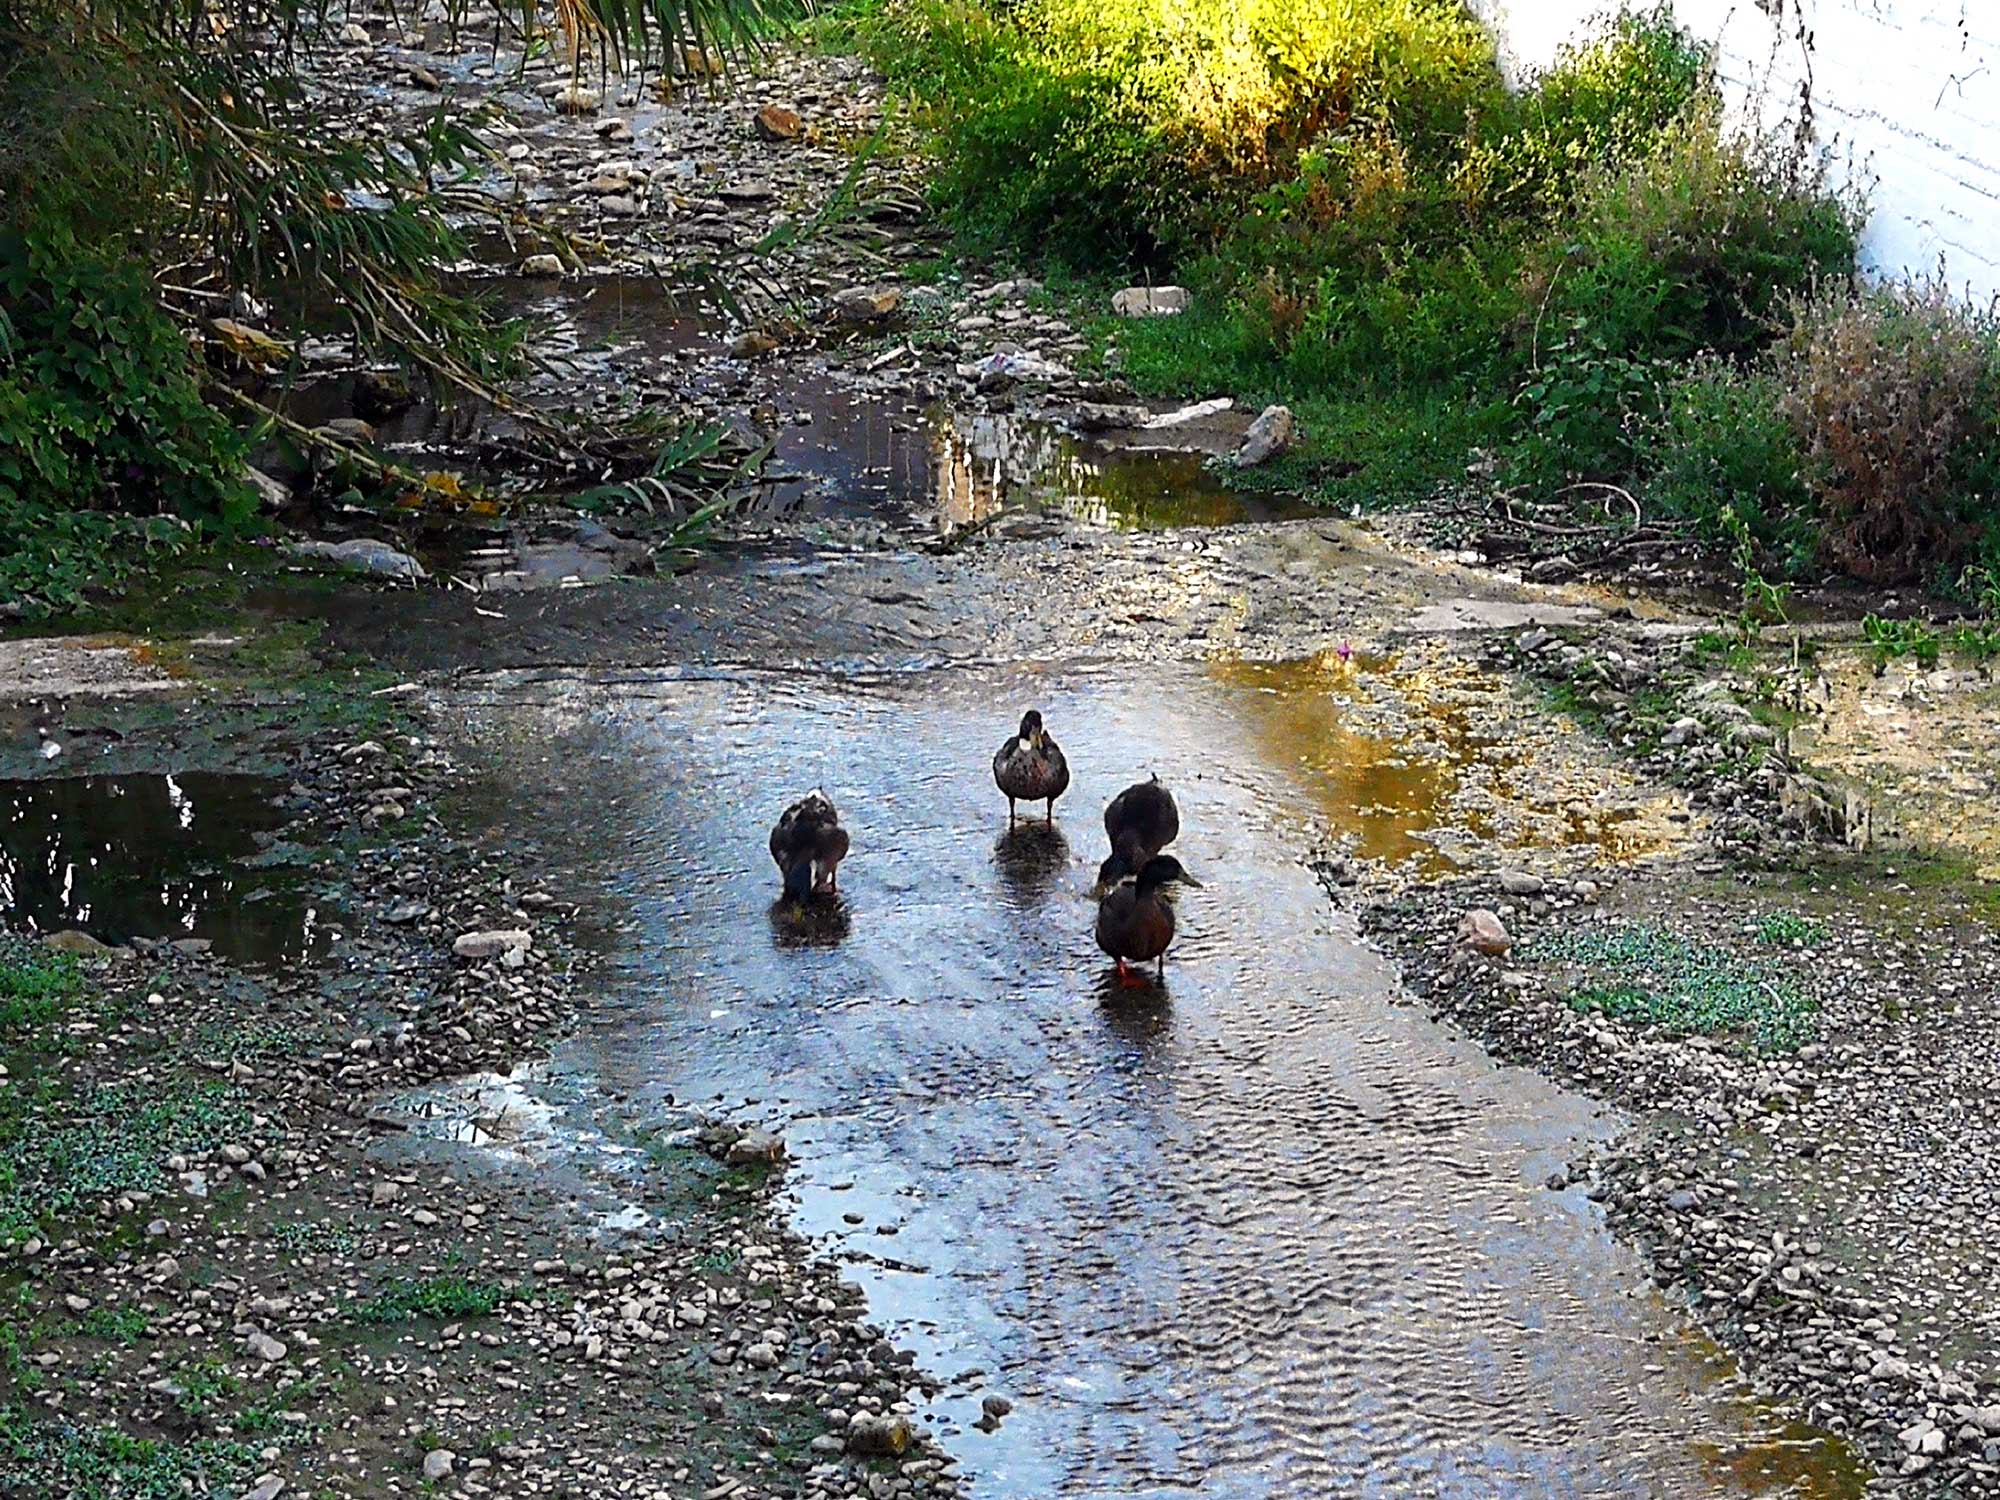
(151, 856)
(1262, 1232)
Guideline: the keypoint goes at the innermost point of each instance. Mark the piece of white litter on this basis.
(50, 750)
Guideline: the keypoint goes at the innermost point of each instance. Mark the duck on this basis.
(808, 845)
(1030, 767)
(1140, 821)
(1135, 921)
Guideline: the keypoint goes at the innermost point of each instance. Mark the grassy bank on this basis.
(1589, 279)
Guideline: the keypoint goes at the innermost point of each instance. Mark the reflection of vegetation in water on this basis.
(1638, 972)
(985, 464)
(1400, 795)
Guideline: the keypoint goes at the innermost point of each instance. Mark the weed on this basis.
(1889, 640)
(199, 1385)
(445, 1298)
(116, 1325)
(1642, 973)
(36, 986)
(80, 1462)
(314, 1237)
(1788, 929)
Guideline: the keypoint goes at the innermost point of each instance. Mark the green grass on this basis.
(116, 1325)
(36, 986)
(1648, 975)
(445, 1298)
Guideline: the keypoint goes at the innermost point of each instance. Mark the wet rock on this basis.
(1007, 367)
(542, 265)
(1150, 301)
(492, 943)
(776, 123)
(1103, 416)
(995, 1407)
(1481, 931)
(862, 304)
(873, 1436)
(438, 1464)
(754, 1146)
(753, 345)
(575, 99)
(1272, 434)
(365, 555)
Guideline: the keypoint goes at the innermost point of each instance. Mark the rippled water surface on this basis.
(1263, 1232)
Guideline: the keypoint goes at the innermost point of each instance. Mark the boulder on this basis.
(364, 554)
(1108, 416)
(492, 943)
(776, 123)
(542, 265)
(873, 1436)
(1271, 434)
(1481, 931)
(863, 304)
(1150, 301)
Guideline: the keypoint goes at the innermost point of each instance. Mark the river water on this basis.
(1265, 1231)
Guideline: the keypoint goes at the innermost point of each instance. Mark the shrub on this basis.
(1720, 445)
(101, 420)
(1892, 394)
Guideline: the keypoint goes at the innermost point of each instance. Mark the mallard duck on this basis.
(1030, 767)
(808, 845)
(1135, 921)
(1140, 822)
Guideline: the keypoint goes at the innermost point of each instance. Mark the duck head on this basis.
(799, 879)
(1164, 869)
(1031, 728)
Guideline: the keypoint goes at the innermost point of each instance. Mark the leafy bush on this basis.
(101, 421)
(1721, 447)
(1894, 395)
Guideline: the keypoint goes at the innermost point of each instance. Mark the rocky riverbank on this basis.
(240, 1260)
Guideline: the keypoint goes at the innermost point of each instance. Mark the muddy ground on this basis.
(433, 1101)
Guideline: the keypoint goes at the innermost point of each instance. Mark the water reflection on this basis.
(821, 922)
(1031, 858)
(152, 856)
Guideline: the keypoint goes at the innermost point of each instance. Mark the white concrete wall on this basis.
(1905, 99)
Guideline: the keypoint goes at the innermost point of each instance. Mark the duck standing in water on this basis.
(1135, 921)
(1140, 822)
(808, 845)
(1030, 767)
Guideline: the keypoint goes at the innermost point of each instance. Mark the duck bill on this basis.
(1187, 879)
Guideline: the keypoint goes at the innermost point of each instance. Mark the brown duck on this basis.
(1140, 822)
(808, 845)
(1135, 921)
(1030, 767)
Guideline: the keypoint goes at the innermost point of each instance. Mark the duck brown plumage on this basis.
(1030, 767)
(1135, 921)
(808, 845)
(1140, 822)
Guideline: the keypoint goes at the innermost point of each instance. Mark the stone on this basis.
(402, 913)
(272, 494)
(267, 1487)
(873, 1436)
(542, 265)
(575, 99)
(1521, 883)
(1150, 301)
(761, 1357)
(776, 123)
(265, 1347)
(1272, 434)
(753, 345)
(77, 944)
(1684, 731)
(1006, 367)
(620, 206)
(491, 944)
(756, 1145)
(1482, 931)
(1108, 416)
(384, 1193)
(615, 131)
(995, 1407)
(355, 35)
(423, 78)
(438, 1464)
(863, 304)
(364, 555)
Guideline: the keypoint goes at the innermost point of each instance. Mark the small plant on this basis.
(35, 987)
(1646, 974)
(1890, 640)
(116, 1325)
(1761, 602)
(1788, 929)
(445, 1298)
